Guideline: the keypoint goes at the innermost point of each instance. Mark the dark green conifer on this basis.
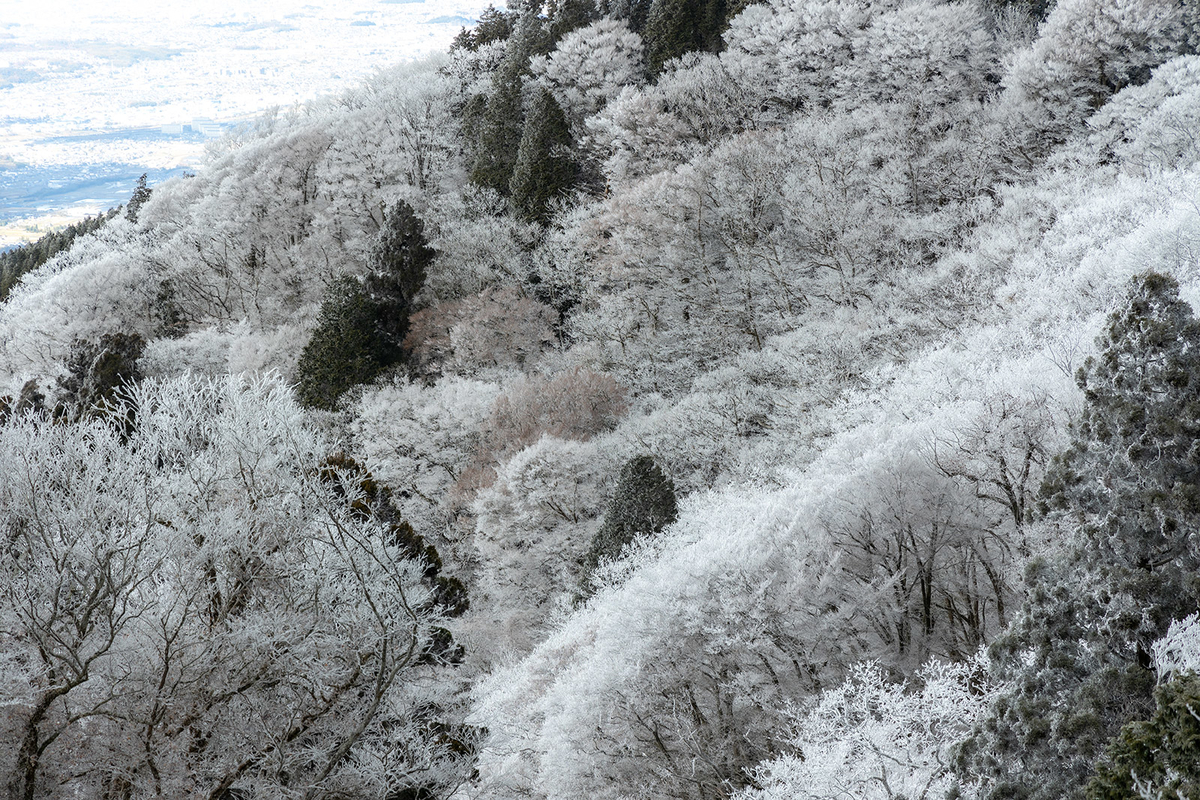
(401, 257)
(141, 193)
(345, 348)
(1126, 493)
(499, 127)
(99, 374)
(362, 325)
(493, 26)
(643, 504)
(1163, 752)
(675, 27)
(544, 169)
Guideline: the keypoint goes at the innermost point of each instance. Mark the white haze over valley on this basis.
(94, 94)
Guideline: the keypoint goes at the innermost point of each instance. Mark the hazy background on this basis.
(93, 94)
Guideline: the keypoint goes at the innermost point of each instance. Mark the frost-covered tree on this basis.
(871, 738)
(1086, 51)
(1125, 494)
(589, 67)
(202, 608)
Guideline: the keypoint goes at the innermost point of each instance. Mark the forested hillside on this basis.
(645, 399)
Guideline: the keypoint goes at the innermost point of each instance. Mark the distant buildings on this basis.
(207, 127)
(201, 125)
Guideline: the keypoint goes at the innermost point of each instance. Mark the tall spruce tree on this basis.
(544, 168)
(1126, 496)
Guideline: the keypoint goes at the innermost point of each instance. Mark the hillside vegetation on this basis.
(645, 399)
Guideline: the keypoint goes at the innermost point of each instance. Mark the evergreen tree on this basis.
(493, 26)
(141, 193)
(362, 325)
(1127, 493)
(643, 504)
(568, 15)
(1162, 752)
(544, 167)
(98, 375)
(344, 350)
(501, 124)
(675, 27)
(399, 263)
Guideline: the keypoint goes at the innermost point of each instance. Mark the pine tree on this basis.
(544, 167)
(493, 26)
(1127, 494)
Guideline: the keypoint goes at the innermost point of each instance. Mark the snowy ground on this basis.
(87, 86)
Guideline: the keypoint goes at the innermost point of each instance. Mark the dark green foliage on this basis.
(141, 193)
(675, 27)
(636, 13)
(168, 314)
(1037, 10)
(30, 401)
(345, 348)
(498, 129)
(1163, 751)
(361, 326)
(1126, 494)
(98, 375)
(544, 168)
(643, 504)
(16, 263)
(567, 15)
(498, 133)
(399, 263)
(493, 26)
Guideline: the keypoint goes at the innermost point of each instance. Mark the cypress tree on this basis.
(362, 325)
(500, 126)
(141, 193)
(398, 266)
(544, 167)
